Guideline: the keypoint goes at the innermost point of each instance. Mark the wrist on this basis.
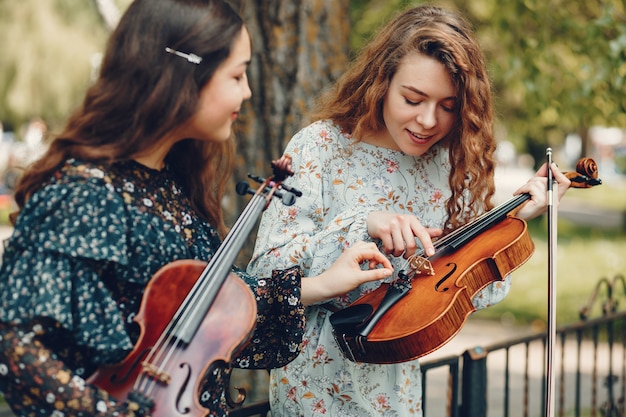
(315, 290)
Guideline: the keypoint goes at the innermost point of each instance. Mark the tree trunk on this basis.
(298, 48)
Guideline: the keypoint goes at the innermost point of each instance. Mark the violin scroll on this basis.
(586, 174)
(270, 187)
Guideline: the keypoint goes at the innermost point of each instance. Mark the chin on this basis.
(220, 136)
(413, 151)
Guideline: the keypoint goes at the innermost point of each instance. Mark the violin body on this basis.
(223, 333)
(424, 308)
(194, 316)
(436, 306)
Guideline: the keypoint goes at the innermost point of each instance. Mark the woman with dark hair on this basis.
(401, 151)
(133, 183)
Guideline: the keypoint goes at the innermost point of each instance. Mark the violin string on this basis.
(167, 344)
(474, 226)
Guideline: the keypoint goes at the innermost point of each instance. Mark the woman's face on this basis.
(221, 98)
(420, 106)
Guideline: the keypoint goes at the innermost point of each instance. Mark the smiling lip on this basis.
(419, 139)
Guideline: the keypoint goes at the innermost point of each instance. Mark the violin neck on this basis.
(199, 300)
(464, 234)
(221, 263)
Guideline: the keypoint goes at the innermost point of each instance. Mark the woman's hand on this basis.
(345, 274)
(537, 187)
(397, 233)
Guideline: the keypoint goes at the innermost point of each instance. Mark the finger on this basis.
(379, 260)
(563, 182)
(534, 186)
(367, 251)
(434, 232)
(398, 240)
(409, 237)
(375, 274)
(387, 243)
(424, 237)
(543, 170)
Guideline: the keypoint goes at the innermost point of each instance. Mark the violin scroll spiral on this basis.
(586, 174)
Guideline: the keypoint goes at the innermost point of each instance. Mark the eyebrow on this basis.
(420, 92)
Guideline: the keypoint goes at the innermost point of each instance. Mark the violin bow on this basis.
(585, 176)
(552, 244)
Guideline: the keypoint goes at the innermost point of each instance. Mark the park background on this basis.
(558, 69)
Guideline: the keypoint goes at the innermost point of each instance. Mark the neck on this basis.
(150, 161)
(154, 156)
(381, 138)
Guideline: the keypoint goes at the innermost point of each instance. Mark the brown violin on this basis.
(194, 316)
(427, 304)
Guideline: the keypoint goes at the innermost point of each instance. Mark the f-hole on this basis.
(185, 384)
(445, 277)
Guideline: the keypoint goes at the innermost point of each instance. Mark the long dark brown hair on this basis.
(143, 92)
(356, 101)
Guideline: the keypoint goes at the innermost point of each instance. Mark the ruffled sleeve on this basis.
(280, 320)
(64, 239)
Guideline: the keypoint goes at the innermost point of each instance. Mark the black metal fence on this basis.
(509, 379)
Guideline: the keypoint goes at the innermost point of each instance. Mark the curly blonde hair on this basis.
(356, 101)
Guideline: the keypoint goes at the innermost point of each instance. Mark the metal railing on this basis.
(508, 379)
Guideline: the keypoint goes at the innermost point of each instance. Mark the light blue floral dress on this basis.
(342, 180)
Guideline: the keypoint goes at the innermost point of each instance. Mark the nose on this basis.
(247, 93)
(427, 116)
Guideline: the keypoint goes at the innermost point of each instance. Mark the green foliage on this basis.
(557, 66)
(46, 57)
(585, 255)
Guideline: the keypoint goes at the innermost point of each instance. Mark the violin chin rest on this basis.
(348, 320)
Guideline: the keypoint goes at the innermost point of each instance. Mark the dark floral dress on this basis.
(72, 278)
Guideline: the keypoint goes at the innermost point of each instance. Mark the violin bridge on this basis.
(153, 372)
(420, 265)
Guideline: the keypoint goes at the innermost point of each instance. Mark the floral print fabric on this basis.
(343, 180)
(72, 277)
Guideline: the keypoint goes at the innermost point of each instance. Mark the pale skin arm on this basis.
(345, 274)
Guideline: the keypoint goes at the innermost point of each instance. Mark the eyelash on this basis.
(415, 103)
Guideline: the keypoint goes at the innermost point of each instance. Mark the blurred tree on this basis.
(109, 11)
(47, 54)
(558, 66)
(299, 46)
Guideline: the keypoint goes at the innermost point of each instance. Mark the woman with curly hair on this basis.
(401, 152)
(133, 183)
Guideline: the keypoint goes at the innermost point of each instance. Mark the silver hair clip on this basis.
(193, 58)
